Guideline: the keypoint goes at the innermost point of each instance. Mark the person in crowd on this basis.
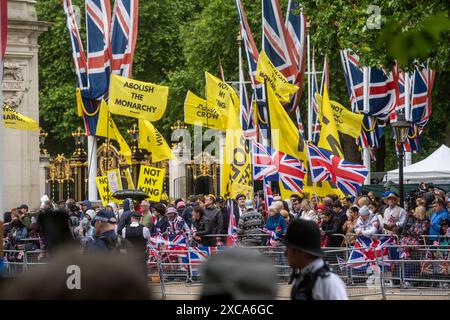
(138, 236)
(374, 209)
(125, 217)
(348, 203)
(440, 213)
(276, 223)
(187, 212)
(85, 206)
(329, 228)
(349, 225)
(162, 222)
(106, 237)
(363, 201)
(371, 195)
(314, 201)
(177, 226)
(339, 212)
(429, 198)
(417, 225)
(201, 227)
(249, 228)
(17, 231)
(287, 216)
(308, 212)
(74, 213)
(85, 232)
(221, 205)
(320, 209)
(148, 219)
(24, 216)
(328, 202)
(255, 279)
(394, 216)
(213, 215)
(42, 200)
(447, 200)
(367, 224)
(180, 205)
(445, 232)
(296, 207)
(113, 207)
(240, 200)
(313, 278)
(201, 201)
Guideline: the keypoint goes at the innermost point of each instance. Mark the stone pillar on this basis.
(20, 91)
(177, 172)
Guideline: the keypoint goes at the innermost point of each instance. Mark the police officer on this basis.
(105, 235)
(138, 236)
(313, 278)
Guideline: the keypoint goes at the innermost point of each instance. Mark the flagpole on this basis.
(366, 151)
(310, 113)
(92, 168)
(408, 116)
(2, 167)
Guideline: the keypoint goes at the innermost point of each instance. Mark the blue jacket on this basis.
(435, 222)
(125, 218)
(276, 221)
(99, 244)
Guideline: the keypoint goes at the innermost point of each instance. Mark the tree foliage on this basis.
(179, 40)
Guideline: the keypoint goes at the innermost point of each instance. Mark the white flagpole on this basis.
(366, 151)
(310, 111)
(92, 167)
(408, 116)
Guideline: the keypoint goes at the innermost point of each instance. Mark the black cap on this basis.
(304, 235)
(220, 199)
(23, 206)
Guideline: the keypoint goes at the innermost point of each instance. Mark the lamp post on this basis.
(400, 131)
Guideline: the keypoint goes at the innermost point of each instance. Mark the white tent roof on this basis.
(435, 168)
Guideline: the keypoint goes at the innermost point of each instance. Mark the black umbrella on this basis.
(135, 194)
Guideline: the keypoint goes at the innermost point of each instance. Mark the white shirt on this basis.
(326, 288)
(368, 227)
(145, 231)
(395, 215)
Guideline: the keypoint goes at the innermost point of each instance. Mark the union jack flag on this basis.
(382, 95)
(251, 50)
(197, 256)
(275, 165)
(232, 236)
(367, 251)
(314, 103)
(324, 165)
(268, 196)
(123, 36)
(278, 43)
(296, 27)
(420, 84)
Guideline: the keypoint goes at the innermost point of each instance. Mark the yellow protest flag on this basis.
(15, 120)
(329, 136)
(108, 129)
(219, 93)
(196, 111)
(137, 99)
(151, 140)
(285, 134)
(346, 121)
(236, 174)
(129, 178)
(266, 71)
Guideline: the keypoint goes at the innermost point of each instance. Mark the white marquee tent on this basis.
(435, 168)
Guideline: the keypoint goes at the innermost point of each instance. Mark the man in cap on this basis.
(250, 226)
(137, 235)
(367, 224)
(313, 278)
(394, 216)
(106, 237)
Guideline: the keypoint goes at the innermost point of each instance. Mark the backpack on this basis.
(116, 245)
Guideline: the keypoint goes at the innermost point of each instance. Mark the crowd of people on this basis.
(206, 219)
